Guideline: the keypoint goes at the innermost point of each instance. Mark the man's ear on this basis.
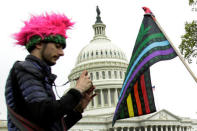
(39, 45)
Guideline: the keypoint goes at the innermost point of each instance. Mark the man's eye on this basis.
(58, 46)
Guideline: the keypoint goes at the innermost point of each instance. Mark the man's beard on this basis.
(48, 62)
(44, 58)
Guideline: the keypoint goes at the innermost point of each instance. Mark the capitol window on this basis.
(91, 76)
(103, 74)
(97, 75)
(109, 74)
(87, 54)
(105, 95)
(119, 90)
(98, 97)
(110, 53)
(106, 52)
(120, 74)
(121, 55)
(92, 103)
(112, 93)
(115, 74)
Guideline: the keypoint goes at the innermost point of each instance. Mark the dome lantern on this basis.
(99, 27)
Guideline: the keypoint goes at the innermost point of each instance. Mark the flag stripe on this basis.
(148, 48)
(148, 39)
(141, 96)
(130, 106)
(154, 54)
(139, 107)
(143, 86)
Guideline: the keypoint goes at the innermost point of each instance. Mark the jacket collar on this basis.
(41, 65)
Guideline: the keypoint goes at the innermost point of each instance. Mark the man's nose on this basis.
(61, 52)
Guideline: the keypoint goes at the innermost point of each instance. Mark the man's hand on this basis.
(87, 97)
(84, 82)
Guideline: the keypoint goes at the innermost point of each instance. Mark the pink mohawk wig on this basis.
(47, 27)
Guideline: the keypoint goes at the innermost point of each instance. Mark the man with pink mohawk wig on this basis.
(29, 96)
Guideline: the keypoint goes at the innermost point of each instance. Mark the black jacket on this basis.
(30, 94)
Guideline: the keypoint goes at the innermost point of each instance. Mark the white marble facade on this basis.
(3, 125)
(159, 121)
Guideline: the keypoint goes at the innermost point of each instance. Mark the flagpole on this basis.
(179, 55)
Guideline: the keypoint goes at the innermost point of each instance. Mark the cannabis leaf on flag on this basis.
(136, 97)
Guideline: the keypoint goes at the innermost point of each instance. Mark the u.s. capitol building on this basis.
(107, 64)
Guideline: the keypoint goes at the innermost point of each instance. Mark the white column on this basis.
(139, 128)
(109, 97)
(190, 128)
(115, 129)
(127, 128)
(179, 128)
(171, 129)
(95, 101)
(121, 128)
(187, 128)
(156, 127)
(145, 128)
(106, 74)
(175, 128)
(102, 99)
(116, 96)
(151, 128)
(161, 128)
(97, 30)
(166, 128)
(134, 129)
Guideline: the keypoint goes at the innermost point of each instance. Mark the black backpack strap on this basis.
(22, 123)
(19, 121)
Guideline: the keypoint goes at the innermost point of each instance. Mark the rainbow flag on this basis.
(136, 97)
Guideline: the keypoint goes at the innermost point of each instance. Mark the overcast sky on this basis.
(175, 89)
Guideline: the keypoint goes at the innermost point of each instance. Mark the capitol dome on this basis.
(100, 49)
(106, 64)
